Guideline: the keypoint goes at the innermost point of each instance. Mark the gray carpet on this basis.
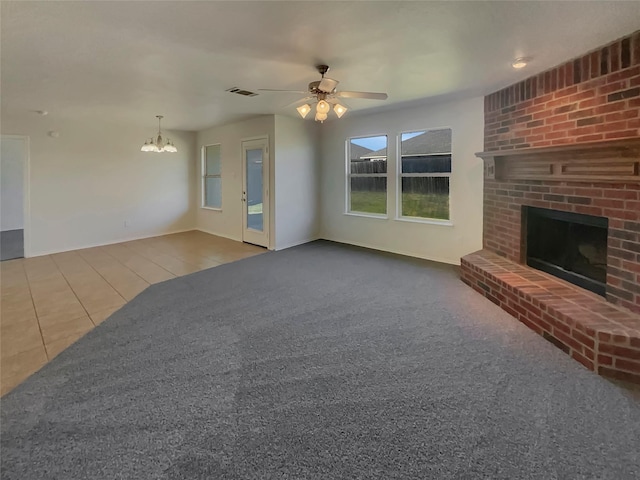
(11, 244)
(318, 362)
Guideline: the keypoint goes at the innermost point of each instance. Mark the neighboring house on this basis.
(357, 152)
(428, 143)
(428, 152)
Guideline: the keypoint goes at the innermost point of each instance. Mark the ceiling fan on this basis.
(325, 94)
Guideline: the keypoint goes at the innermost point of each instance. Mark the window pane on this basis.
(368, 154)
(369, 195)
(422, 152)
(213, 192)
(369, 166)
(212, 156)
(425, 197)
(255, 219)
(427, 164)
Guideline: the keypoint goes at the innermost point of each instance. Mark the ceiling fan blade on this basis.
(286, 91)
(328, 84)
(305, 99)
(333, 101)
(369, 95)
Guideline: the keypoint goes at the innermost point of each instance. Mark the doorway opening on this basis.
(13, 169)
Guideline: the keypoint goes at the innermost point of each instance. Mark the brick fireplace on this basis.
(568, 141)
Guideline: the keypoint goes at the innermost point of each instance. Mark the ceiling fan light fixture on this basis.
(340, 110)
(159, 145)
(304, 110)
(323, 107)
(322, 97)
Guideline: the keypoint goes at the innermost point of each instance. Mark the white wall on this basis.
(430, 241)
(85, 184)
(13, 157)
(297, 181)
(227, 222)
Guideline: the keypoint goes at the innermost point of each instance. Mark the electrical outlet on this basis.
(126, 224)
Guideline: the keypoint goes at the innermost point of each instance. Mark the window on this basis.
(367, 175)
(211, 178)
(425, 171)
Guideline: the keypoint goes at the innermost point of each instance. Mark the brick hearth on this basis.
(602, 337)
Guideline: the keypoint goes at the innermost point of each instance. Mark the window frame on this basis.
(399, 176)
(349, 175)
(205, 176)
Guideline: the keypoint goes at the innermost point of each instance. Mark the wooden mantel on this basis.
(608, 161)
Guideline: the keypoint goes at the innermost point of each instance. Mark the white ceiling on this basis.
(128, 61)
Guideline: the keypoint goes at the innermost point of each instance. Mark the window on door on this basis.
(211, 177)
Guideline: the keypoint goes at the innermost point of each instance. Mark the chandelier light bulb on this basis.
(304, 110)
(148, 146)
(321, 117)
(340, 110)
(323, 107)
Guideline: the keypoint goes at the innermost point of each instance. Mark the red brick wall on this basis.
(594, 97)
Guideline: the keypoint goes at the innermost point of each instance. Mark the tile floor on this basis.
(51, 301)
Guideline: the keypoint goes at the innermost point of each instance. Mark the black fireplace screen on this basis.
(570, 246)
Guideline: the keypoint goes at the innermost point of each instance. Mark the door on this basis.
(255, 192)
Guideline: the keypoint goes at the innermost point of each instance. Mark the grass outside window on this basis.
(432, 205)
(417, 205)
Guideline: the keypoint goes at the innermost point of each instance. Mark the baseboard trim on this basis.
(104, 244)
(396, 251)
(301, 242)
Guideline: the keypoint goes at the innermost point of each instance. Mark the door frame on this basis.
(254, 237)
(26, 195)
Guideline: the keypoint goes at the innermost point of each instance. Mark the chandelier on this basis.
(158, 144)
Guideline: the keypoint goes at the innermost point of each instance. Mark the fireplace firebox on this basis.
(570, 246)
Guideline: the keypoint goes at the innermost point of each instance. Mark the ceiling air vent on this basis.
(239, 91)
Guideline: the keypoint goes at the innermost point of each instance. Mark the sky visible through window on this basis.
(376, 143)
